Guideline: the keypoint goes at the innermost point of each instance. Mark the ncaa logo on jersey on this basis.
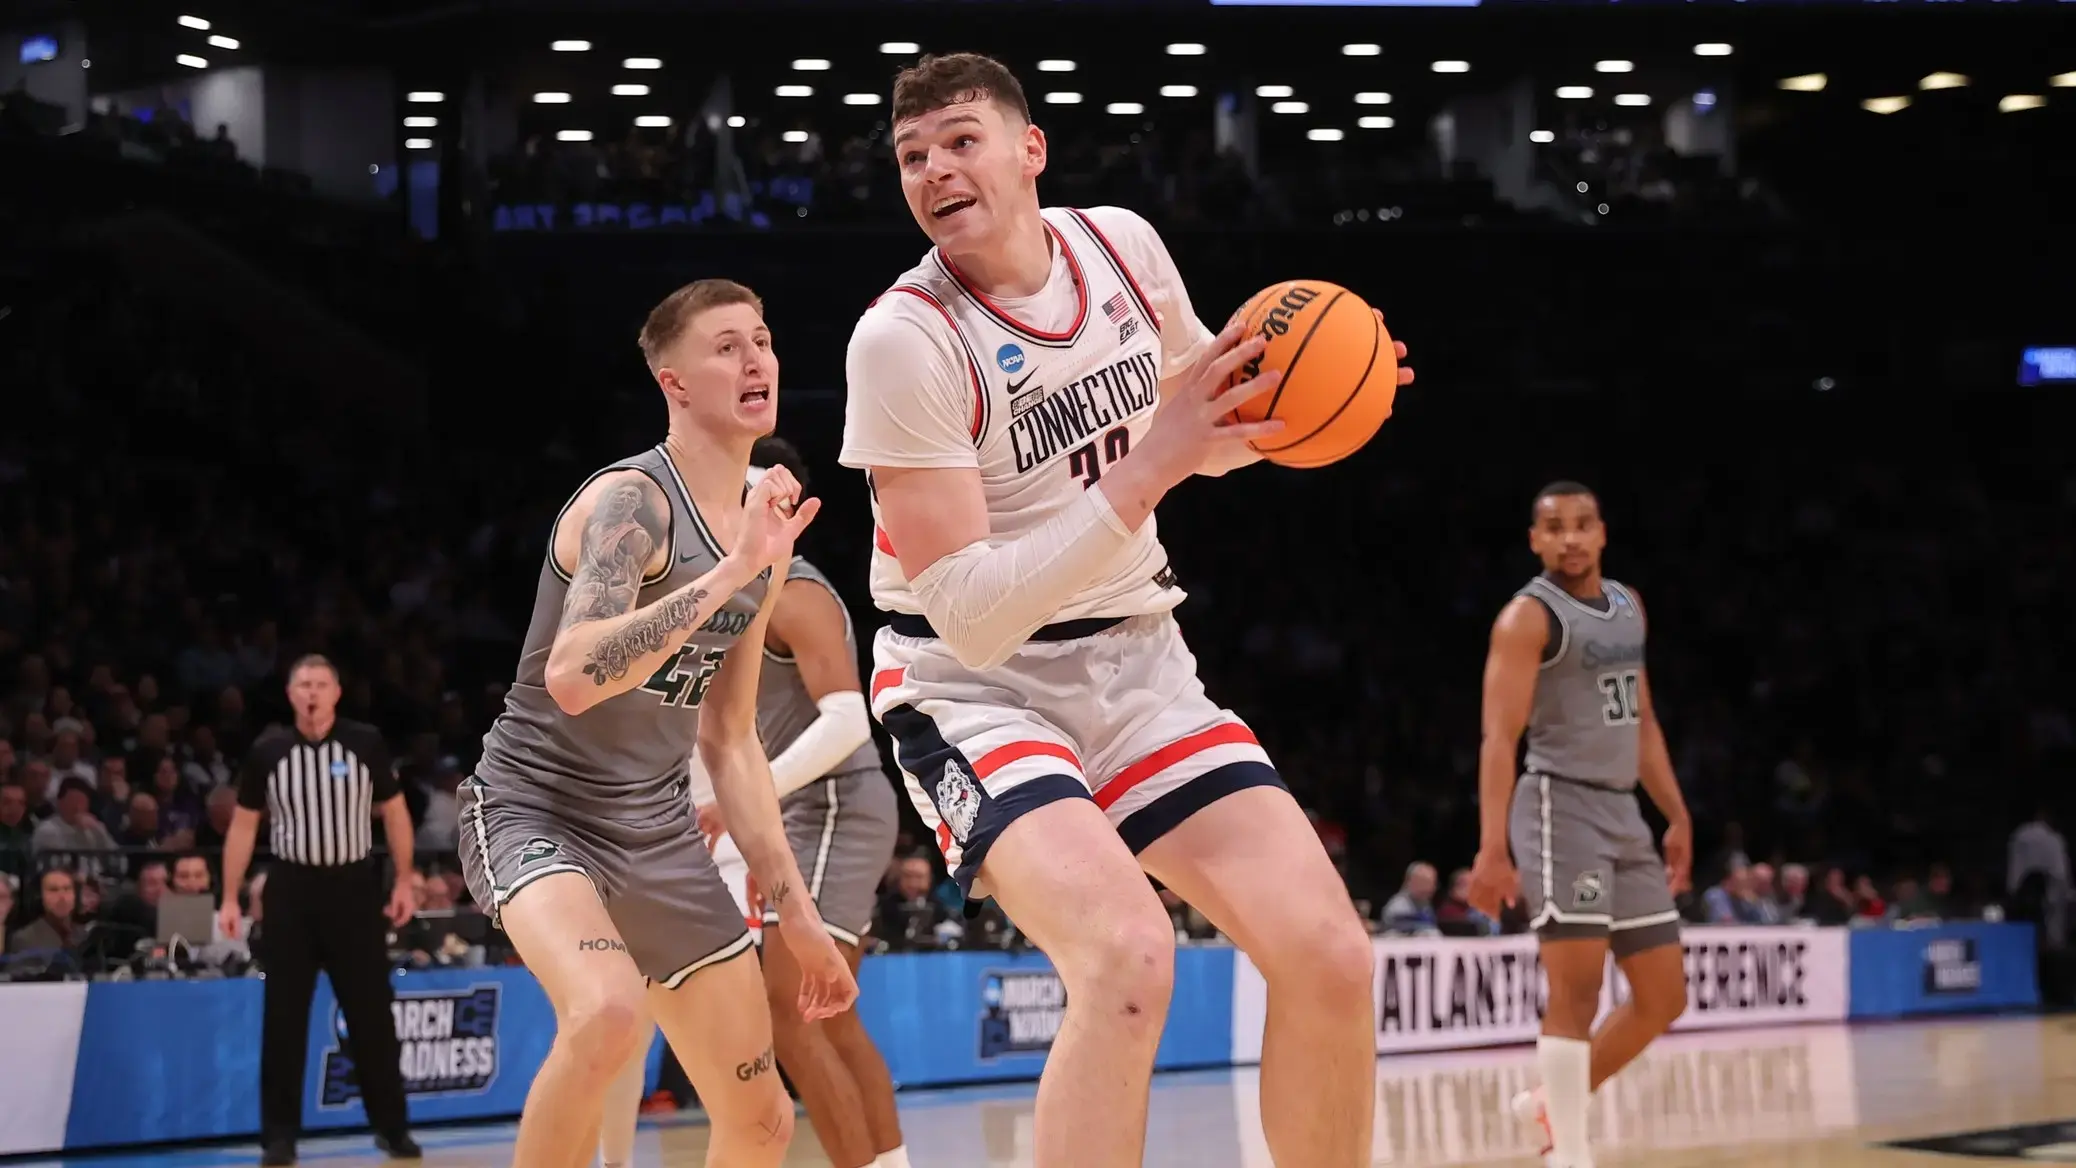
(958, 800)
(339, 768)
(1009, 359)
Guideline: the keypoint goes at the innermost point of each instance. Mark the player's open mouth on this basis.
(754, 395)
(950, 207)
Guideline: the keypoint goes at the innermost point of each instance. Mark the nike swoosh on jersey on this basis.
(1016, 387)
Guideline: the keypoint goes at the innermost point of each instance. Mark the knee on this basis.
(1124, 968)
(602, 1031)
(1329, 969)
(1661, 1001)
(766, 1127)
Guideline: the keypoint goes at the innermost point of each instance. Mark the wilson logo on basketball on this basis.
(1279, 318)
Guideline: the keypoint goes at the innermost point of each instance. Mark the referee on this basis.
(320, 786)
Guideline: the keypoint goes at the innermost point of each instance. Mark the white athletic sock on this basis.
(898, 1158)
(623, 1104)
(1567, 1066)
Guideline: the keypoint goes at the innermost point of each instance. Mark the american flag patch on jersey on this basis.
(1117, 308)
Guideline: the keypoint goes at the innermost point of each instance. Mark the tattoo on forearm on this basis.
(617, 543)
(779, 894)
(753, 1068)
(648, 632)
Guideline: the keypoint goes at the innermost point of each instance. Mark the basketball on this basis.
(1340, 372)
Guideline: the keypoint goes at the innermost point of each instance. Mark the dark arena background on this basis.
(312, 314)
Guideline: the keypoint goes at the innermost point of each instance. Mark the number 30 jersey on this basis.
(1586, 718)
(625, 757)
(1039, 393)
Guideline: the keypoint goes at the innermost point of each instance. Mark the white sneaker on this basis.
(1528, 1108)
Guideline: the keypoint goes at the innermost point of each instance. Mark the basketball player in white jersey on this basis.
(841, 820)
(577, 834)
(1020, 401)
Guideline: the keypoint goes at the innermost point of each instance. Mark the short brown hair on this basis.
(314, 661)
(667, 320)
(941, 80)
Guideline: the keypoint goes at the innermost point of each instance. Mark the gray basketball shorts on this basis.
(652, 872)
(842, 829)
(1588, 867)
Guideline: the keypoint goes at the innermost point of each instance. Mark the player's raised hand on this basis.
(1195, 426)
(826, 985)
(1494, 883)
(1405, 371)
(774, 515)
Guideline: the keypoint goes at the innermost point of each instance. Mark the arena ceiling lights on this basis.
(1185, 49)
(1178, 91)
(1712, 49)
(1933, 81)
(632, 90)
(1451, 66)
(899, 48)
(571, 46)
(642, 63)
(2013, 103)
(194, 22)
(1357, 51)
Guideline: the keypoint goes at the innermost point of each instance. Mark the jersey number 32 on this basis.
(681, 683)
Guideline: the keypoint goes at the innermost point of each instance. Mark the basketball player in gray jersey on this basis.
(576, 834)
(839, 811)
(1567, 667)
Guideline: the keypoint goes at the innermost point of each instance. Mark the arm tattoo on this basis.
(651, 629)
(779, 893)
(623, 532)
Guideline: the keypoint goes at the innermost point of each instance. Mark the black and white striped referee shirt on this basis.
(319, 796)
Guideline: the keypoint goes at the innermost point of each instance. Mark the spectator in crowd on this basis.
(74, 831)
(1833, 905)
(1455, 915)
(1730, 901)
(1936, 902)
(1868, 903)
(16, 831)
(65, 761)
(1794, 892)
(34, 776)
(140, 909)
(1765, 897)
(1411, 909)
(112, 790)
(217, 813)
(55, 927)
(909, 914)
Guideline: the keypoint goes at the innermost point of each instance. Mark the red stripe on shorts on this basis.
(886, 679)
(1224, 734)
(994, 760)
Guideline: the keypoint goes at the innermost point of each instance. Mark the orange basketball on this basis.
(1340, 372)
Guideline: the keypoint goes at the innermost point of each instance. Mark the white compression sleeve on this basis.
(844, 725)
(986, 598)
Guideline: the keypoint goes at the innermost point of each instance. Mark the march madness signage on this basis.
(1442, 993)
(448, 1041)
(1020, 1011)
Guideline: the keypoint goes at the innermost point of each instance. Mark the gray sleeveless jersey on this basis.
(1584, 722)
(783, 708)
(626, 756)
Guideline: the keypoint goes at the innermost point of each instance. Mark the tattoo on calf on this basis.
(756, 1066)
(649, 631)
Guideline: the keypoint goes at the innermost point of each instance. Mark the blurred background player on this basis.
(1020, 401)
(1567, 666)
(576, 831)
(841, 820)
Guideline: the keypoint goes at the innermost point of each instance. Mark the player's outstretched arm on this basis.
(1654, 770)
(1511, 665)
(615, 534)
(812, 628)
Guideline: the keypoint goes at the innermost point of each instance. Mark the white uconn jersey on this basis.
(1039, 393)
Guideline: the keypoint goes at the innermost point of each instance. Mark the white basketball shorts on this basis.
(1110, 710)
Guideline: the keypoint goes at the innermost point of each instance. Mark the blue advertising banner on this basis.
(1943, 969)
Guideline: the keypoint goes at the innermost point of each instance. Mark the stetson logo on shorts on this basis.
(958, 800)
(1588, 889)
(537, 848)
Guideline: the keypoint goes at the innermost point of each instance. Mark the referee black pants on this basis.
(328, 919)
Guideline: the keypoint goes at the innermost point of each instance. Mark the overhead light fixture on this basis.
(810, 65)
(1806, 83)
(572, 135)
(191, 61)
(1614, 66)
(1062, 98)
(224, 42)
(1632, 99)
(1056, 66)
(194, 22)
(633, 89)
(1376, 122)
(1178, 91)
(1185, 49)
(1325, 134)
(2012, 103)
(794, 135)
(2063, 81)
(1542, 137)
(1942, 81)
(1357, 51)
(642, 63)
(1124, 107)
(1712, 49)
(897, 48)
(861, 99)
(420, 123)
(1273, 91)
(551, 98)
(1574, 92)
(737, 121)
(1451, 66)
(1372, 99)
(1290, 107)
(653, 121)
(795, 91)
(1885, 105)
(418, 143)
(571, 46)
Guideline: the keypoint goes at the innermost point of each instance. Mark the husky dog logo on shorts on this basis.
(1588, 889)
(958, 800)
